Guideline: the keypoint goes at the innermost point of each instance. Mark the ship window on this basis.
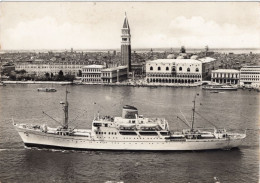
(164, 133)
(148, 133)
(105, 133)
(127, 133)
(167, 68)
(197, 70)
(151, 68)
(188, 69)
(96, 124)
(106, 125)
(133, 121)
(108, 133)
(180, 68)
(159, 68)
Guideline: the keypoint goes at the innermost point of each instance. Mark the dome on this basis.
(171, 56)
(183, 54)
(180, 57)
(129, 107)
(194, 57)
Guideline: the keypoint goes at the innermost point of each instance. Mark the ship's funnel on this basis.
(129, 112)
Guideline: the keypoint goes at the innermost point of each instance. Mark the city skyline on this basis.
(97, 25)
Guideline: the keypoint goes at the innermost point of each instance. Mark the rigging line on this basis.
(99, 105)
(184, 122)
(206, 119)
(75, 127)
(74, 111)
(51, 109)
(78, 117)
(184, 117)
(51, 117)
(75, 108)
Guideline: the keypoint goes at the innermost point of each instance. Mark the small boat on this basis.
(2, 84)
(220, 87)
(46, 90)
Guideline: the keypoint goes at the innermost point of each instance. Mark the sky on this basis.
(97, 25)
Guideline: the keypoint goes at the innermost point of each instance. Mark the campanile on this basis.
(126, 45)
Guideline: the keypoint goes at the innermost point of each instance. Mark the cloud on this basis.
(196, 31)
(47, 33)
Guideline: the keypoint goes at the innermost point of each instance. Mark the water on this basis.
(233, 110)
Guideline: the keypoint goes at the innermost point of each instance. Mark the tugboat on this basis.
(129, 132)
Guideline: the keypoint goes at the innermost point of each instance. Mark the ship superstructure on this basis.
(131, 131)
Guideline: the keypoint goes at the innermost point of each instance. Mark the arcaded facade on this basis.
(184, 71)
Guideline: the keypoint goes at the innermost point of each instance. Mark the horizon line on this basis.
(75, 49)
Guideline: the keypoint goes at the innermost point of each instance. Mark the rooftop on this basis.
(207, 59)
(169, 61)
(94, 66)
(252, 66)
(226, 70)
(126, 24)
(115, 68)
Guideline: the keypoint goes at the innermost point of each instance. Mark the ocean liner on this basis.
(129, 132)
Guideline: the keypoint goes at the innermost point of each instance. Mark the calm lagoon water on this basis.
(237, 110)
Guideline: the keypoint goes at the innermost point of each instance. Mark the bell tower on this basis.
(126, 45)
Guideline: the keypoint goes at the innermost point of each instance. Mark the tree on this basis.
(23, 71)
(69, 77)
(47, 75)
(183, 50)
(80, 73)
(12, 76)
(60, 73)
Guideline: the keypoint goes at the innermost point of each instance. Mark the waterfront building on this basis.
(92, 73)
(115, 74)
(138, 69)
(227, 76)
(7, 68)
(174, 71)
(208, 64)
(250, 76)
(126, 45)
(41, 68)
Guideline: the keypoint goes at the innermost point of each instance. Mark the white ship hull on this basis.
(40, 139)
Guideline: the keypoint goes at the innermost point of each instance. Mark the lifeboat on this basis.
(177, 136)
(148, 125)
(126, 125)
(207, 135)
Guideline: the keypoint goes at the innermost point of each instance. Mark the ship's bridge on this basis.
(130, 120)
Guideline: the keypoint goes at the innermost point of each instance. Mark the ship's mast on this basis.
(193, 113)
(66, 112)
